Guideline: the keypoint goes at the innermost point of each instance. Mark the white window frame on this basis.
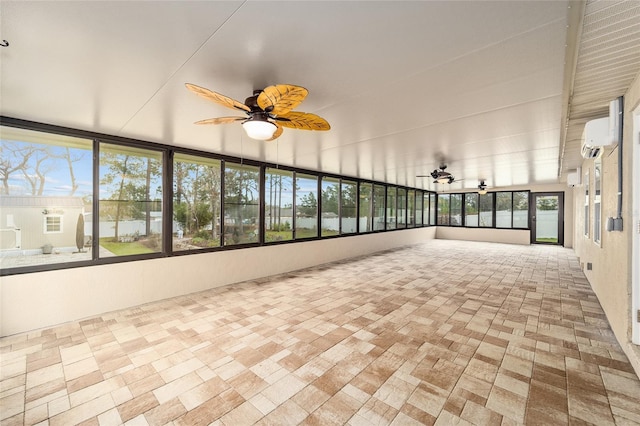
(587, 218)
(61, 222)
(597, 201)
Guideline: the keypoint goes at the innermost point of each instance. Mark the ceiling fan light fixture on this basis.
(259, 129)
(443, 179)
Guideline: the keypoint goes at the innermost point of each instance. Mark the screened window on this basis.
(456, 210)
(46, 192)
(330, 215)
(419, 208)
(432, 208)
(365, 205)
(392, 212)
(306, 206)
(504, 209)
(130, 205)
(196, 202)
(402, 208)
(443, 209)
(278, 209)
(521, 209)
(241, 204)
(471, 209)
(378, 207)
(597, 209)
(485, 215)
(411, 208)
(348, 198)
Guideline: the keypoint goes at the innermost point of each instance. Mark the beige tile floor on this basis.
(444, 332)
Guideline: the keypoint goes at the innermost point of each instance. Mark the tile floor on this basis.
(443, 332)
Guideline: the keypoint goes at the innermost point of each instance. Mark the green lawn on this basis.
(546, 240)
(124, 249)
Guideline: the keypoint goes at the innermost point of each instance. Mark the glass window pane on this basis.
(456, 210)
(443, 209)
(306, 206)
(432, 208)
(391, 207)
(196, 202)
(471, 209)
(378, 207)
(348, 197)
(45, 207)
(419, 208)
(278, 209)
(521, 209)
(402, 208)
(366, 215)
(241, 204)
(411, 208)
(330, 218)
(486, 210)
(503, 209)
(130, 205)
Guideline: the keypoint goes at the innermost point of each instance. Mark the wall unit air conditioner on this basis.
(595, 137)
(574, 177)
(602, 131)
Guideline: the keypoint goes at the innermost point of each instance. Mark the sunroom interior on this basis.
(113, 198)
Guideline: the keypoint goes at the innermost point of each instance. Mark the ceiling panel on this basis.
(402, 83)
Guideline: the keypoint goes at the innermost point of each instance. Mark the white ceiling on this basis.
(402, 84)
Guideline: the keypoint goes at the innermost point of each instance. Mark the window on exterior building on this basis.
(241, 204)
(306, 220)
(485, 216)
(52, 224)
(278, 209)
(597, 204)
(130, 205)
(197, 202)
(587, 219)
(45, 195)
(348, 209)
(379, 197)
(392, 208)
(365, 205)
(402, 208)
(471, 209)
(456, 210)
(443, 209)
(330, 204)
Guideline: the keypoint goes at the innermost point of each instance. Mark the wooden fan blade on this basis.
(277, 133)
(281, 98)
(220, 120)
(217, 97)
(303, 120)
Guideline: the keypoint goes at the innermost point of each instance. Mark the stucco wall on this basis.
(38, 300)
(610, 276)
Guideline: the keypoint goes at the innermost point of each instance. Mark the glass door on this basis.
(547, 218)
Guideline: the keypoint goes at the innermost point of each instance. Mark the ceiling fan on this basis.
(440, 175)
(482, 187)
(267, 111)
